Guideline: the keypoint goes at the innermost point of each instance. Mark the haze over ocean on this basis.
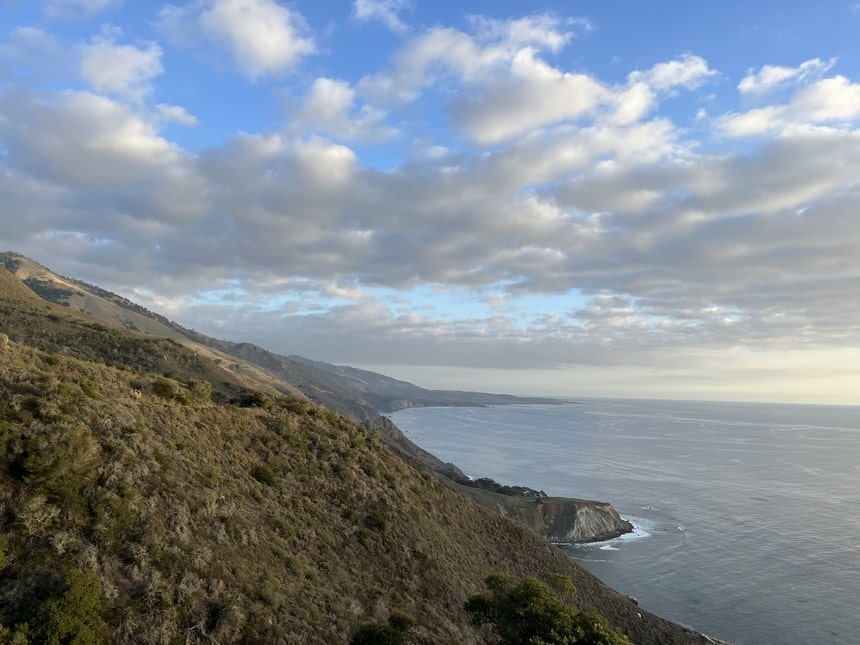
(748, 512)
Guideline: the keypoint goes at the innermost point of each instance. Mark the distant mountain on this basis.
(158, 490)
(389, 394)
(358, 393)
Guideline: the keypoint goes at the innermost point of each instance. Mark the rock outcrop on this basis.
(574, 521)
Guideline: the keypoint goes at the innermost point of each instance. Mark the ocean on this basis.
(747, 515)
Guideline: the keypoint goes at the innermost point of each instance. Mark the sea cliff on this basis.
(576, 521)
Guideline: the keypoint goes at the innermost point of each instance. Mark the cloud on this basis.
(833, 102)
(770, 77)
(498, 84)
(676, 250)
(120, 69)
(384, 11)
(175, 114)
(602, 232)
(689, 72)
(533, 95)
(331, 106)
(545, 31)
(98, 152)
(264, 37)
(427, 59)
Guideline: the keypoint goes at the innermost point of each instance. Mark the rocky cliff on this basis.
(575, 521)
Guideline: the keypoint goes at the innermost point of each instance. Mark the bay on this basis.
(748, 515)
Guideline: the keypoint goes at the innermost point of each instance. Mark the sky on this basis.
(577, 198)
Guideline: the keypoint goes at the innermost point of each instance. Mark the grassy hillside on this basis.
(356, 393)
(149, 496)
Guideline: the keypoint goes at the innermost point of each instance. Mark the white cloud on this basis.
(830, 100)
(498, 85)
(385, 11)
(471, 58)
(833, 102)
(265, 37)
(689, 72)
(770, 77)
(325, 165)
(533, 95)
(122, 69)
(98, 149)
(540, 30)
(175, 114)
(331, 106)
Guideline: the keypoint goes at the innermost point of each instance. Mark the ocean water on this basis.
(748, 515)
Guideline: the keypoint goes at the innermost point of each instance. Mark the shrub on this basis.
(16, 636)
(530, 612)
(74, 615)
(263, 474)
(164, 388)
(393, 632)
(60, 458)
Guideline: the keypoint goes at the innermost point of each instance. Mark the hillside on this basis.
(356, 393)
(238, 368)
(175, 502)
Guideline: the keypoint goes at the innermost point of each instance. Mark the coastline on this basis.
(576, 520)
(638, 531)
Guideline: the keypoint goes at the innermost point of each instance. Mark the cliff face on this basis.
(575, 521)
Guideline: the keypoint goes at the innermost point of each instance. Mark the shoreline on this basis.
(638, 532)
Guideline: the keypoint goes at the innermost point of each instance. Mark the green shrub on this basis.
(164, 388)
(201, 391)
(73, 617)
(530, 612)
(254, 399)
(393, 632)
(90, 389)
(60, 458)
(375, 521)
(263, 474)
(16, 636)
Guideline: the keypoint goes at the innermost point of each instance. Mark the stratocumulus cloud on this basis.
(472, 195)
